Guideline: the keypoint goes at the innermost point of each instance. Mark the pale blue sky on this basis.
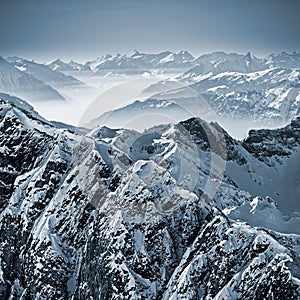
(85, 29)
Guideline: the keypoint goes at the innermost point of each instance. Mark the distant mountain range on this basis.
(56, 79)
(132, 63)
(216, 62)
(22, 84)
(233, 86)
(37, 82)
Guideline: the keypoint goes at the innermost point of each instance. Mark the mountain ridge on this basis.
(16, 82)
(112, 214)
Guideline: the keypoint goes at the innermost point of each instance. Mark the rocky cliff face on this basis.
(163, 214)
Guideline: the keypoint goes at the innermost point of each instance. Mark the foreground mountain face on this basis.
(118, 214)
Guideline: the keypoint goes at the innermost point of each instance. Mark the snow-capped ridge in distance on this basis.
(72, 66)
(136, 60)
(43, 72)
(284, 59)
(266, 98)
(66, 84)
(17, 81)
(135, 54)
(58, 64)
(218, 62)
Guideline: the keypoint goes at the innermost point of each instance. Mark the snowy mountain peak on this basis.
(248, 56)
(106, 56)
(135, 53)
(15, 79)
(187, 55)
(58, 61)
(59, 65)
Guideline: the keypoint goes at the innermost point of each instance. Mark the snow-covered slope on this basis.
(67, 85)
(54, 78)
(176, 60)
(271, 94)
(272, 168)
(119, 214)
(244, 87)
(15, 81)
(268, 97)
